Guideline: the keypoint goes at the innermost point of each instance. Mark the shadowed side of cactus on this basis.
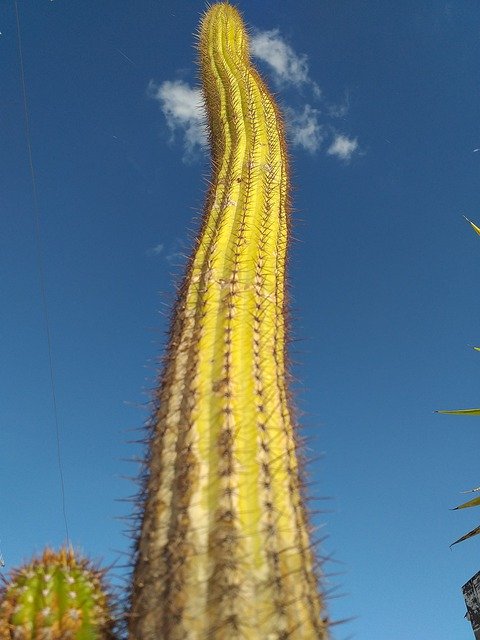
(224, 549)
(58, 596)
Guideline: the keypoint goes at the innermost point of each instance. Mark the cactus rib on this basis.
(224, 549)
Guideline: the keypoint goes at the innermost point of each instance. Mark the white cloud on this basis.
(317, 92)
(178, 253)
(304, 128)
(156, 250)
(183, 109)
(288, 67)
(342, 147)
(340, 109)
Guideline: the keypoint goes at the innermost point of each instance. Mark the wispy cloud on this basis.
(304, 128)
(343, 147)
(340, 109)
(156, 250)
(175, 252)
(183, 109)
(178, 253)
(288, 67)
(307, 126)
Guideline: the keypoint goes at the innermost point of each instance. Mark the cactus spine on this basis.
(224, 549)
(57, 596)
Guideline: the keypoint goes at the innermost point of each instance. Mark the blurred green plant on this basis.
(57, 596)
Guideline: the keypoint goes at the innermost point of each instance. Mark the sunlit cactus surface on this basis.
(224, 549)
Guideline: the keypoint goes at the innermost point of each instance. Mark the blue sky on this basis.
(381, 100)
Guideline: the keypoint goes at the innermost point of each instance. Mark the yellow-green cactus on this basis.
(225, 547)
(57, 596)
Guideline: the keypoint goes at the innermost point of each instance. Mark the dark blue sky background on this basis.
(383, 274)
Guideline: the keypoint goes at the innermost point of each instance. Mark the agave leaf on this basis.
(474, 226)
(468, 535)
(464, 412)
(471, 503)
(471, 490)
(475, 502)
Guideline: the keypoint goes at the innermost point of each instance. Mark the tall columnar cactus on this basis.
(224, 549)
(57, 596)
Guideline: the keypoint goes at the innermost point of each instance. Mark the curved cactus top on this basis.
(57, 596)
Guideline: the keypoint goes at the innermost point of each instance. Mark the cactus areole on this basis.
(224, 548)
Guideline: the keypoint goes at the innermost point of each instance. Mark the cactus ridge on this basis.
(224, 549)
(57, 596)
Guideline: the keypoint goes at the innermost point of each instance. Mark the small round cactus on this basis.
(56, 596)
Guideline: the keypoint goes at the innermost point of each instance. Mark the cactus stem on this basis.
(224, 549)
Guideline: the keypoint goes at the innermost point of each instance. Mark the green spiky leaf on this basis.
(462, 412)
(475, 502)
(470, 534)
(473, 225)
(471, 503)
(471, 490)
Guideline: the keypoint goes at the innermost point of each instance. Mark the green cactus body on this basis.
(224, 550)
(55, 597)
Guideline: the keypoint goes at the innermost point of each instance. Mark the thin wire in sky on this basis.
(41, 271)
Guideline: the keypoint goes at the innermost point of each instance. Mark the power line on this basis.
(41, 270)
